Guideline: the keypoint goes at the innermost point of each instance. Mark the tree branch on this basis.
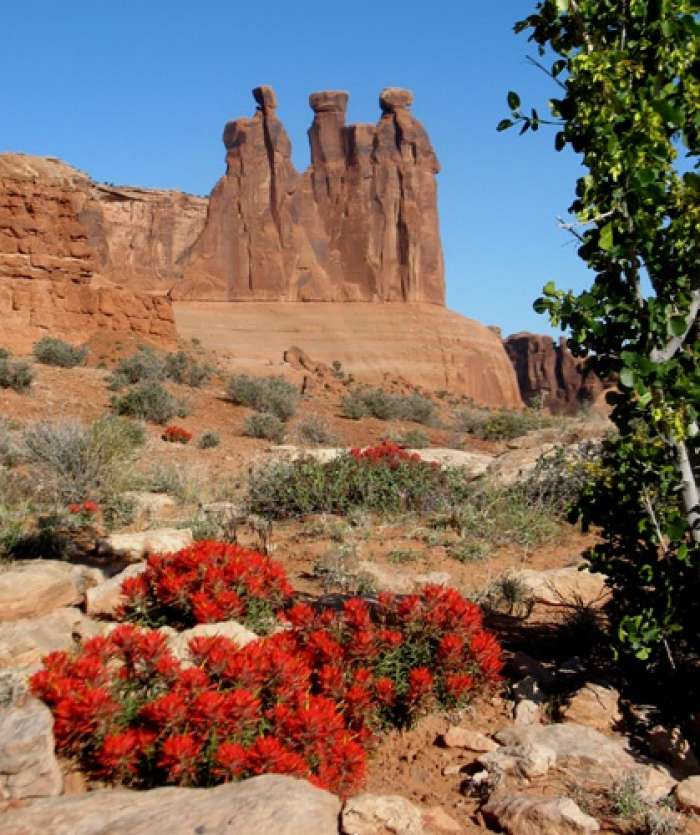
(676, 343)
(544, 69)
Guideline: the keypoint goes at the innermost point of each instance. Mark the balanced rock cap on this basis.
(265, 97)
(393, 98)
(334, 100)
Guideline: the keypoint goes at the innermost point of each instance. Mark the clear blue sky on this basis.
(138, 93)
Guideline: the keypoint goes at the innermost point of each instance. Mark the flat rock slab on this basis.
(520, 814)
(35, 587)
(372, 814)
(105, 598)
(136, 546)
(564, 586)
(23, 643)
(28, 765)
(268, 805)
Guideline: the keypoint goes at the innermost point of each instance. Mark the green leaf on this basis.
(540, 305)
(677, 325)
(627, 378)
(562, 6)
(560, 141)
(557, 67)
(549, 289)
(504, 124)
(605, 239)
(513, 100)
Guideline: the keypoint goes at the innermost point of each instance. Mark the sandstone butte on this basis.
(343, 260)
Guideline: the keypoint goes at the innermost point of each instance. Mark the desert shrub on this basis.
(145, 365)
(208, 440)
(264, 425)
(181, 368)
(174, 434)
(339, 571)
(149, 401)
(51, 351)
(501, 425)
(272, 395)
(415, 407)
(467, 551)
(383, 478)
(174, 478)
(206, 583)
(413, 439)
(313, 430)
(375, 402)
(353, 406)
(16, 375)
(306, 701)
(561, 475)
(5, 354)
(72, 461)
(10, 453)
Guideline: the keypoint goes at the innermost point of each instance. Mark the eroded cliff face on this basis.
(549, 372)
(360, 224)
(53, 248)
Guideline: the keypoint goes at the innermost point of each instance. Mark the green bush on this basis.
(305, 486)
(208, 440)
(501, 425)
(16, 375)
(413, 439)
(273, 395)
(72, 462)
(51, 351)
(150, 401)
(180, 368)
(5, 354)
(264, 425)
(145, 365)
(375, 402)
(313, 430)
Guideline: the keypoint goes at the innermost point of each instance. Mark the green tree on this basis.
(628, 102)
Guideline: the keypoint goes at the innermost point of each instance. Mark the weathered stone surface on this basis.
(564, 586)
(527, 759)
(519, 814)
(516, 464)
(227, 629)
(28, 765)
(135, 546)
(105, 598)
(436, 821)
(688, 794)
(456, 737)
(424, 344)
(360, 224)
(585, 753)
(595, 706)
(35, 587)
(372, 814)
(267, 804)
(551, 373)
(400, 581)
(23, 643)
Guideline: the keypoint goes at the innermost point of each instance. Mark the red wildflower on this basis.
(176, 435)
(179, 758)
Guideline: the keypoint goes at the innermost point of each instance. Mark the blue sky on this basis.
(138, 93)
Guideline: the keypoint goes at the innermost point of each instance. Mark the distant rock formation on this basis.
(360, 224)
(549, 372)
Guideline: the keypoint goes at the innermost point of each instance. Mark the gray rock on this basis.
(520, 814)
(268, 805)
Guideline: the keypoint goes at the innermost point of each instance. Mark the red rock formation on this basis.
(49, 257)
(551, 373)
(359, 225)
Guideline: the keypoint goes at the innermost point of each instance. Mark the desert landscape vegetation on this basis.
(288, 546)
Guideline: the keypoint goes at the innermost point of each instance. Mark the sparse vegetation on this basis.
(501, 425)
(149, 401)
(51, 351)
(272, 395)
(148, 365)
(17, 375)
(375, 402)
(265, 425)
(209, 439)
(312, 430)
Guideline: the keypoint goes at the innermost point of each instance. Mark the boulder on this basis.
(595, 706)
(527, 759)
(568, 586)
(372, 814)
(270, 803)
(105, 598)
(151, 505)
(519, 814)
(136, 546)
(231, 629)
(456, 737)
(23, 643)
(398, 581)
(688, 794)
(515, 464)
(35, 587)
(28, 765)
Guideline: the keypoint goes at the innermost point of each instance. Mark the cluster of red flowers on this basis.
(133, 714)
(385, 452)
(387, 664)
(176, 434)
(88, 508)
(205, 583)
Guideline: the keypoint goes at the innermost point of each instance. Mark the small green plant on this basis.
(145, 365)
(180, 368)
(272, 395)
(51, 351)
(209, 440)
(175, 479)
(414, 439)
(16, 375)
(338, 571)
(402, 555)
(264, 425)
(626, 797)
(314, 431)
(507, 593)
(149, 401)
(501, 425)
(466, 551)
